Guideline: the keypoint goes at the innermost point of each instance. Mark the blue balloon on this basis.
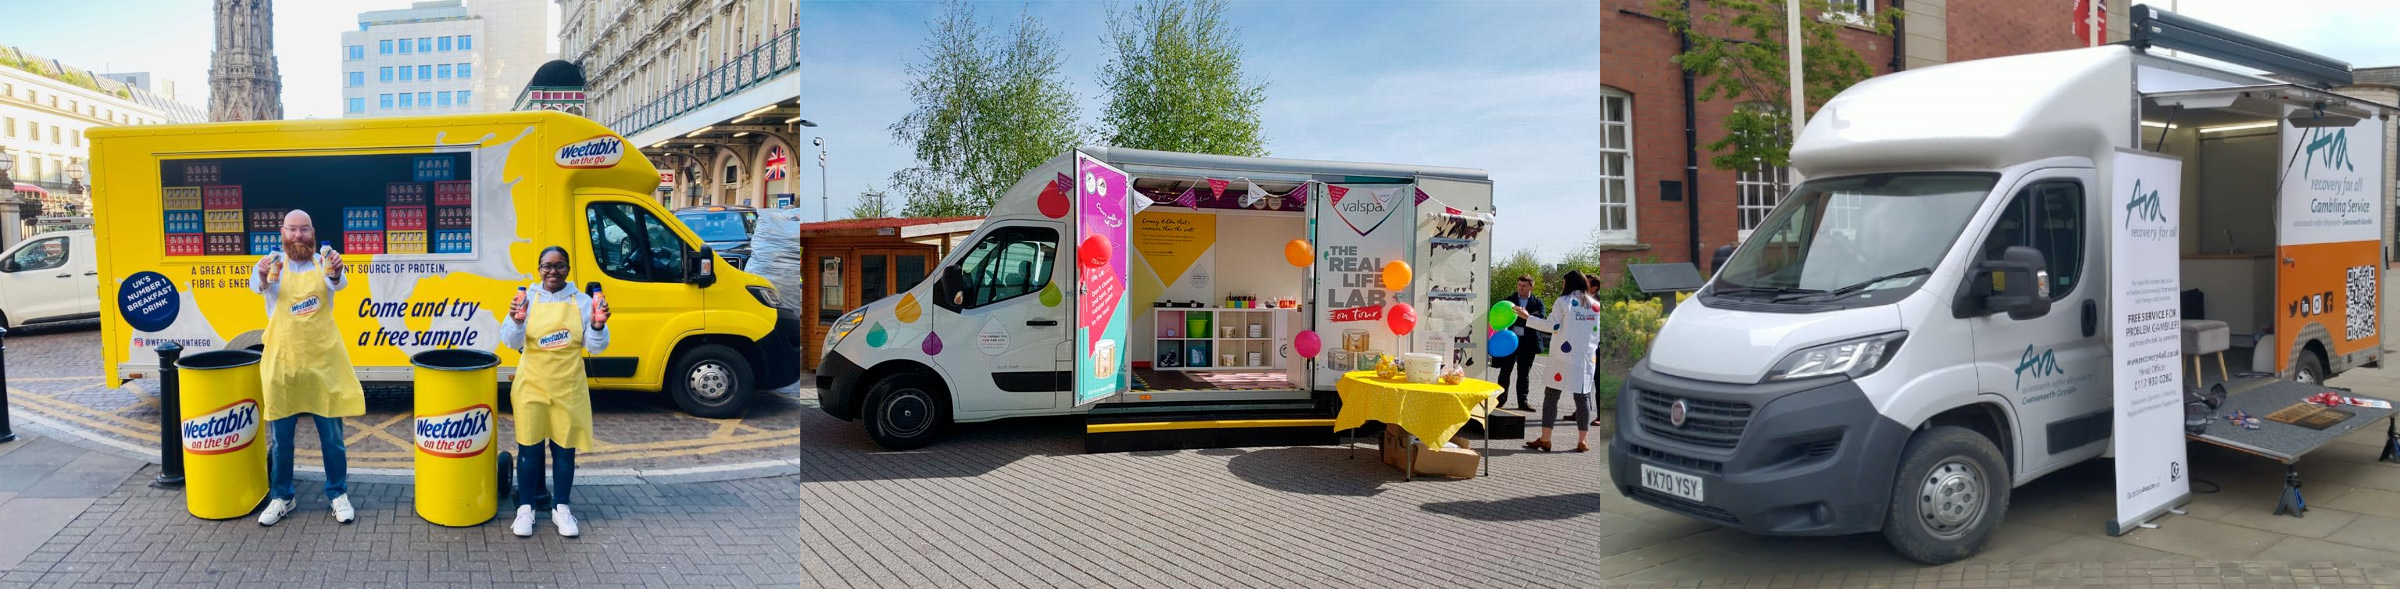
(1502, 343)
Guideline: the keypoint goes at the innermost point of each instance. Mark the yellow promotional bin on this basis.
(224, 437)
(459, 473)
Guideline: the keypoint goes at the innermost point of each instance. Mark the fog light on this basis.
(1821, 514)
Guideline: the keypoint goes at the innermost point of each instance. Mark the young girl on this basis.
(1575, 335)
(554, 326)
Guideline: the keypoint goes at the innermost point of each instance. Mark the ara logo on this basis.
(2328, 148)
(457, 434)
(229, 428)
(597, 152)
(2144, 206)
(2042, 365)
(555, 340)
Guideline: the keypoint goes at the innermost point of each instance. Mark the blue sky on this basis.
(1509, 87)
(172, 39)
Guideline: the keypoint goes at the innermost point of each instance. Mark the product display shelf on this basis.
(1195, 339)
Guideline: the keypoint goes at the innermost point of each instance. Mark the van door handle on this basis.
(67, 275)
(92, 273)
(1042, 323)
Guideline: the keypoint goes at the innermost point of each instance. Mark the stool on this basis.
(2207, 337)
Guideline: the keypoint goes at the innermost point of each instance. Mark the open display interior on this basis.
(1215, 303)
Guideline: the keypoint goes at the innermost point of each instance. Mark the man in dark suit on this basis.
(1528, 345)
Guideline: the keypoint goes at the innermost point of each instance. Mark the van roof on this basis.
(519, 117)
(1124, 156)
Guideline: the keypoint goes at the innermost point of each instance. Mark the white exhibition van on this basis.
(1158, 282)
(1927, 321)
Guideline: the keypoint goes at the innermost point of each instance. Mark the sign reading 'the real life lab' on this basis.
(2146, 347)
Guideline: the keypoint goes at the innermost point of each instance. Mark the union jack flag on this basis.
(775, 162)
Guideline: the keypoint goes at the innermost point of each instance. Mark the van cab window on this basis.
(2049, 218)
(1010, 262)
(629, 243)
(40, 255)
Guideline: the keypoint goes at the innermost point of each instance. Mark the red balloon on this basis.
(1307, 344)
(1095, 252)
(1054, 201)
(1402, 318)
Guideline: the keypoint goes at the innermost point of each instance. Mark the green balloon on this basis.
(1050, 295)
(876, 336)
(1504, 315)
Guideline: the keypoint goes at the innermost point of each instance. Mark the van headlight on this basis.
(842, 328)
(764, 294)
(1856, 357)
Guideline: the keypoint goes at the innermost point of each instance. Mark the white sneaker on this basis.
(274, 512)
(342, 511)
(565, 520)
(523, 527)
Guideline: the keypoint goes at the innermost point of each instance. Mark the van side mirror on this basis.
(946, 289)
(10, 266)
(702, 267)
(2020, 283)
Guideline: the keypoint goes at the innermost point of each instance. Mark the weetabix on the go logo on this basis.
(229, 428)
(597, 152)
(555, 340)
(458, 434)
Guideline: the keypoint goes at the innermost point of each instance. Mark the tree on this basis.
(872, 204)
(1176, 83)
(984, 114)
(1756, 71)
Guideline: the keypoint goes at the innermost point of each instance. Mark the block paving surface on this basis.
(55, 380)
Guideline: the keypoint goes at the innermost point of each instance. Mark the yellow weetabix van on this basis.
(439, 220)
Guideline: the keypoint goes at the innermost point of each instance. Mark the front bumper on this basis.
(837, 386)
(1807, 458)
(781, 352)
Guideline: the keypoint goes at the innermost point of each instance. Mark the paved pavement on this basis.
(78, 518)
(1018, 504)
(54, 380)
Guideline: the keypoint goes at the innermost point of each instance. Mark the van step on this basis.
(1212, 429)
(1114, 409)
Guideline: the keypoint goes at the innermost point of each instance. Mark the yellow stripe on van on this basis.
(1149, 426)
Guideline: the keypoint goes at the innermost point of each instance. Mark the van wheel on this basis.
(710, 381)
(1949, 498)
(2310, 369)
(904, 411)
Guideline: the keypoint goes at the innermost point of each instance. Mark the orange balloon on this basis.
(1298, 253)
(1395, 275)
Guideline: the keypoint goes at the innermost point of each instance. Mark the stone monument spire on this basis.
(243, 84)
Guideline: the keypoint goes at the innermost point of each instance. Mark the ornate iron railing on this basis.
(756, 66)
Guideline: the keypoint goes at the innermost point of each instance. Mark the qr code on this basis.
(2358, 309)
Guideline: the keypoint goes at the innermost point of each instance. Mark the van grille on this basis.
(1672, 459)
(1707, 424)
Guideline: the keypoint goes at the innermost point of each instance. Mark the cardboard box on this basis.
(1449, 462)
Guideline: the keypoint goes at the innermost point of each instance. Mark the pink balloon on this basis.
(1307, 343)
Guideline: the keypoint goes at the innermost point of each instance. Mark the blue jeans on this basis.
(529, 472)
(279, 456)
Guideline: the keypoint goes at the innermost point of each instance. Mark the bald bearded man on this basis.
(305, 369)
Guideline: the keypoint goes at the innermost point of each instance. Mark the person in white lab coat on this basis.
(1574, 325)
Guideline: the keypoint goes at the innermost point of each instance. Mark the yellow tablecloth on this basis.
(1432, 412)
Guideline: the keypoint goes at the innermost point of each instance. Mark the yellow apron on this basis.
(551, 398)
(307, 366)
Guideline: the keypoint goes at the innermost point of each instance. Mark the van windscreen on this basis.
(1843, 236)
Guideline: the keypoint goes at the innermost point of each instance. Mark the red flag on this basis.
(1190, 198)
(1420, 195)
(1216, 188)
(1337, 193)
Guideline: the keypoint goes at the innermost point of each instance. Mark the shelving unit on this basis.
(1179, 350)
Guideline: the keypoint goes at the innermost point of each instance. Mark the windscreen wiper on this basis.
(1765, 290)
(1861, 286)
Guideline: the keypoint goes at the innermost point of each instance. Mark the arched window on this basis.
(1616, 166)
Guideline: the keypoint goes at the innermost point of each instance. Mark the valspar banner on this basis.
(2331, 233)
(2145, 343)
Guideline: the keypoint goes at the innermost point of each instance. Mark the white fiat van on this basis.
(1853, 367)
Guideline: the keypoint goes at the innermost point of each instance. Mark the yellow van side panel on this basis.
(524, 170)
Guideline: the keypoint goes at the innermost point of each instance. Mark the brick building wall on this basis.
(1635, 46)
